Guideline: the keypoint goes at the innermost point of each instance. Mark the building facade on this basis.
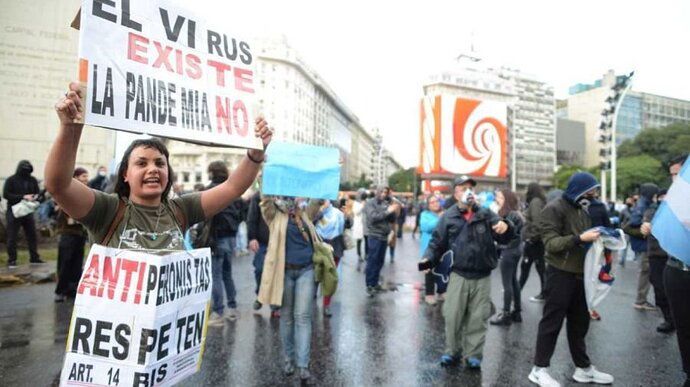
(638, 111)
(300, 107)
(531, 113)
(570, 142)
(38, 60)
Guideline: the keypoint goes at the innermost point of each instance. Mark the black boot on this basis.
(665, 327)
(502, 318)
(516, 316)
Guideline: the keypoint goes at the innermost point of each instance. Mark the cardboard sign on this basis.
(301, 171)
(155, 67)
(139, 319)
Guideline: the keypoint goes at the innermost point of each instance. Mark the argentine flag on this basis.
(671, 223)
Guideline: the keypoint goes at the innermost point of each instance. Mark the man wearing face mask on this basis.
(564, 226)
(18, 187)
(379, 214)
(100, 181)
(470, 232)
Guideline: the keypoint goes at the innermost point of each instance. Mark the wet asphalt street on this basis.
(394, 339)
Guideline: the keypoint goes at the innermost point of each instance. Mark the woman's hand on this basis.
(265, 133)
(69, 108)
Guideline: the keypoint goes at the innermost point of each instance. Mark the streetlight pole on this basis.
(614, 147)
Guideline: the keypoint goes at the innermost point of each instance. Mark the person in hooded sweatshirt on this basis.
(565, 230)
(648, 192)
(18, 187)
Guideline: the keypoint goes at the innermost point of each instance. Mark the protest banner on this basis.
(139, 319)
(301, 171)
(156, 67)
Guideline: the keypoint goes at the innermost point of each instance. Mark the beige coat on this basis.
(273, 276)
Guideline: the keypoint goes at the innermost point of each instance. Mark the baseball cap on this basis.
(464, 179)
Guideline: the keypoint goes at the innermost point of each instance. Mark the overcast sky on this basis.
(376, 54)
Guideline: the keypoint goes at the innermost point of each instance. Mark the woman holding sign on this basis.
(139, 214)
(288, 276)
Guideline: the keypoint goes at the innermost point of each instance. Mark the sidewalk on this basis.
(28, 273)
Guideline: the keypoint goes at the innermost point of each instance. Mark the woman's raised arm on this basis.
(75, 198)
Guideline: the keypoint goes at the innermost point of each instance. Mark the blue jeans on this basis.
(258, 263)
(221, 268)
(376, 253)
(296, 313)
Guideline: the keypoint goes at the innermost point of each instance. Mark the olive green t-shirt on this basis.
(142, 227)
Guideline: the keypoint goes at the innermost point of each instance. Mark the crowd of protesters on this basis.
(298, 243)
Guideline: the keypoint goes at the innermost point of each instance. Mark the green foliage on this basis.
(661, 144)
(402, 180)
(353, 186)
(636, 170)
(560, 178)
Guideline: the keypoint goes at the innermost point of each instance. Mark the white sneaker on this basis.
(541, 377)
(230, 314)
(216, 320)
(591, 375)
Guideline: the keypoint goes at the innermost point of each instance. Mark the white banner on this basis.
(155, 67)
(139, 319)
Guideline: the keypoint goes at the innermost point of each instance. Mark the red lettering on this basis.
(163, 53)
(140, 282)
(221, 68)
(129, 267)
(90, 279)
(243, 80)
(193, 70)
(133, 48)
(110, 277)
(238, 106)
(223, 114)
(178, 61)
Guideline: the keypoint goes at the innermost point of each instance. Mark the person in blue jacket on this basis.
(434, 287)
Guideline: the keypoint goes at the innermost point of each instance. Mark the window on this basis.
(197, 178)
(185, 177)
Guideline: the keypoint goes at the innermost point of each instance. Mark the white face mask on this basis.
(468, 197)
(101, 173)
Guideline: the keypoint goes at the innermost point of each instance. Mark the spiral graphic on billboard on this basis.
(463, 136)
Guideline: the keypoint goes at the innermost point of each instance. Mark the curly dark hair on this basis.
(122, 187)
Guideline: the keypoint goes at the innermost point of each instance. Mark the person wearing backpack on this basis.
(470, 232)
(222, 233)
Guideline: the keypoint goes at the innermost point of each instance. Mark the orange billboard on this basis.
(463, 136)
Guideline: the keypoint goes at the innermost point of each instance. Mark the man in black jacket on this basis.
(18, 187)
(469, 232)
(379, 214)
(100, 181)
(676, 283)
(258, 234)
(224, 227)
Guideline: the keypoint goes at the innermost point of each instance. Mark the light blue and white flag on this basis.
(299, 170)
(671, 223)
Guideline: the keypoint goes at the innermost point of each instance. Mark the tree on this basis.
(636, 170)
(560, 178)
(661, 144)
(402, 180)
(353, 186)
